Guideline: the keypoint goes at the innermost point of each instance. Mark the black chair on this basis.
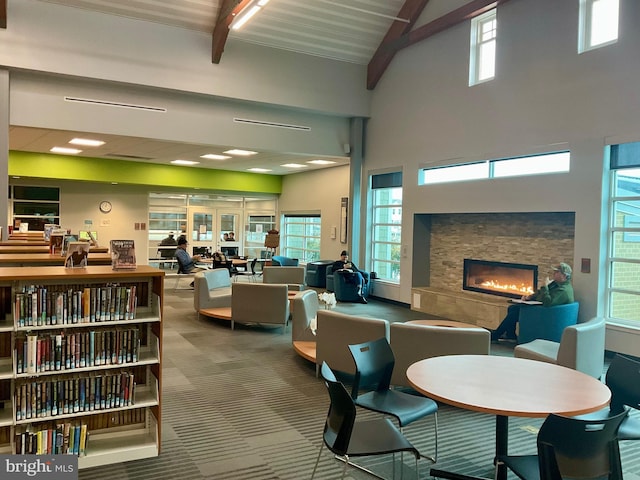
(250, 271)
(374, 366)
(346, 437)
(571, 448)
(623, 379)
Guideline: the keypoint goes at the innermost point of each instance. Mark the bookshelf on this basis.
(81, 351)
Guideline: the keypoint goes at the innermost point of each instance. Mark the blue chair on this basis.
(316, 273)
(348, 292)
(546, 323)
(279, 261)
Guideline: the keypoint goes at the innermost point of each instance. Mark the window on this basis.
(509, 167)
(256, 229)
(623, 259)
(386, 225)
(301, 237)
(598, 24)
(35, 206)
(482, 62)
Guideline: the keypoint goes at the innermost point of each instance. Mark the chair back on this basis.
(280, 261)
(374, 365)
(623, 379)
(579, 448)
(253, 266)
(304, 309)
(582, 347)
(259, 303)
(546, 323)
(341, 416)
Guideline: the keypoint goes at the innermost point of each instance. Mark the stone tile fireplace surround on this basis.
(443, 241)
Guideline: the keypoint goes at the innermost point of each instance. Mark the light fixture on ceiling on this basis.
(214, 156)
(65, 150)
(244, 15)
(259, 170)
(239, 152)
(321, 162)
(86, 142)
(293, 165)
(184, 162)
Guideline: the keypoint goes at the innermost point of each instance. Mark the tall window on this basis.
(598, 24)
(301, 237)
(386, 225)
(482, 62)
(35, 206)
(623, 260)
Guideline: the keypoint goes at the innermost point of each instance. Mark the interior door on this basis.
(229, 236)
(201, 228)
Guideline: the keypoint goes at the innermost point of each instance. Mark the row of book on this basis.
(57, 439)
(70, 350)
(60, 396)
(61, 305)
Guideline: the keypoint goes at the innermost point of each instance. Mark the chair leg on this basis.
(315, 467)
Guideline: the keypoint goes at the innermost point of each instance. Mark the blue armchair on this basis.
(348, 292)
(546, 323)
(280, 261)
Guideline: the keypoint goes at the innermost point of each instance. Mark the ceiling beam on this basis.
(228, 10)
(3, 13)
(466, 12)
(381, 59)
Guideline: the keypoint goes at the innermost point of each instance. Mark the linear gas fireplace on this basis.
(511, 280)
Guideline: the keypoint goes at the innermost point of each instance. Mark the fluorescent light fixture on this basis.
(293, 165)
(86, 142)
(184, 162)
(242, 17)
(65, 150)
(214, 156)
(321, 162)
(241, 153)
(259, 170)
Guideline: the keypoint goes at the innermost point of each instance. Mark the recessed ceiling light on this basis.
(87, 142)
(293, 165)
(321, 162)
(259, 170)
(15, 177)
(242, 153)
(114, 183)
(184, 162)
(66, 150)
(214, 156)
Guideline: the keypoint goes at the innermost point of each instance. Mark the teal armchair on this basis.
(546, 323)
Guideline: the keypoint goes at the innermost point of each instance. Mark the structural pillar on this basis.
(4, 152)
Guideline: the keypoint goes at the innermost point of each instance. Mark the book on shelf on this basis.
(77, 255)
(56, 241)
(48, 229)
(123, 254)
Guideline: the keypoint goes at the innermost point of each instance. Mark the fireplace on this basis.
(511, 280)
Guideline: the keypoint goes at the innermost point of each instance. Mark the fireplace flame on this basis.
(495, 285)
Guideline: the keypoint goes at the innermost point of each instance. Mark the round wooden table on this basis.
(506, 386)
(443, 323)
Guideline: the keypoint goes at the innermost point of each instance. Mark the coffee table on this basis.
(506, 386)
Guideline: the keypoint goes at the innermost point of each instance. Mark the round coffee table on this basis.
(443, 323)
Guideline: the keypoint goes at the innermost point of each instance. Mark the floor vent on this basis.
(272, 124)
(107, 103)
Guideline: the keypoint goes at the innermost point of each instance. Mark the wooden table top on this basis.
(508, 386)
(306, 349)
(223, 313)
(443, 323)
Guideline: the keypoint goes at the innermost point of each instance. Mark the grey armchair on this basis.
(291, 276)
(256, 303)
(212, 289)
(580, 348)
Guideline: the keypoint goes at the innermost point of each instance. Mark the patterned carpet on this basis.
(243, 405)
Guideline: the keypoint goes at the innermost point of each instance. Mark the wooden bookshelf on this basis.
(107, 359)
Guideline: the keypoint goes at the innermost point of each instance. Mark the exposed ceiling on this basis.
(366, 32)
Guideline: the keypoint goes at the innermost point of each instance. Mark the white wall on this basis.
(545, 97)
(318, 192)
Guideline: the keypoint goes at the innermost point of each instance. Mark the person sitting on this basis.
(186, 262)
(231, 237)
(556, 292)
(351, 273)
(168, 241)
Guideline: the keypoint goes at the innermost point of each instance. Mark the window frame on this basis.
(310, 254)
(586, 24)
(478, 45)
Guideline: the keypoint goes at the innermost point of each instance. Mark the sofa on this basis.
(336, 331)
(580, 348)
(280, 261)
(257, 303)
(547, 323)
(212, 289)
(316, 275)
(411, 343)
(291, 276)
(346, 292)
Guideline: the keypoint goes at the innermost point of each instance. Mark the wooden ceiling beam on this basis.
(3, 13)
(392, 46)
(381, 59)
(228, 10)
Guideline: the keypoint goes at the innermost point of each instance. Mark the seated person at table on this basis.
(168, 241)
(556, 292)
(187, 263)
(350, 272)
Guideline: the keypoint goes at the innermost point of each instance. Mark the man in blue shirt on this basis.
(186, 263)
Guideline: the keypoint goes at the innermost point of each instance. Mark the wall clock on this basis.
(105, 206)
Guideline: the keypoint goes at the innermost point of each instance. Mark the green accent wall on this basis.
(64, 167)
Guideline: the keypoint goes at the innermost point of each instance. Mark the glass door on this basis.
(229, 236)
(201, 230)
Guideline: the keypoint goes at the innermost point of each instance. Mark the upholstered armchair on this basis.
(316, 275)
(257, 303)
(291, 276)
(348, 292)
(212, 289)
(280, 261)
(580, 348)
(546, 323)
